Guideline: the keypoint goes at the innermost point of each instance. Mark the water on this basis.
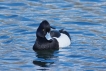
(85, 20)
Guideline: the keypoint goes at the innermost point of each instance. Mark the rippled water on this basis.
(85, 20)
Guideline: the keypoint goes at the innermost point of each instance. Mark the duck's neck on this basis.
(40, 39)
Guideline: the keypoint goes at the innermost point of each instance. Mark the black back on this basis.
(55, 33)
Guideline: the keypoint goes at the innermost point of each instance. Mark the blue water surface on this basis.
(85, 20)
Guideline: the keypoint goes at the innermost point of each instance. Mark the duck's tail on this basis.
(65, 32)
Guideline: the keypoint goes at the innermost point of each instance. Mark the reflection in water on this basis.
(44, 58)
(42, 64)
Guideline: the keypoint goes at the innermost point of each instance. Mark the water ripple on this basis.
(83, 19)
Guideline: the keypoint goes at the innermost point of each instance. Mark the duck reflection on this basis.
(45, 58)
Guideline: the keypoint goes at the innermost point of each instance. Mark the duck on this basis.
(48, 37)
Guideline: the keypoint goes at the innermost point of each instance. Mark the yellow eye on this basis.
(43, 30)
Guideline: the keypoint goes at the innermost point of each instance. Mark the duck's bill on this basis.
(48, 36)
(52, 27)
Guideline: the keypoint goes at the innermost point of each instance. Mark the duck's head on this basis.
(43, 30)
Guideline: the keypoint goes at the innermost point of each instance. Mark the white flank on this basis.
(63, 40)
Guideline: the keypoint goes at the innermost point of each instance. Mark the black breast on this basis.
(43, 44)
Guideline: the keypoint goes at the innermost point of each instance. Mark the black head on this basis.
(43, 28)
